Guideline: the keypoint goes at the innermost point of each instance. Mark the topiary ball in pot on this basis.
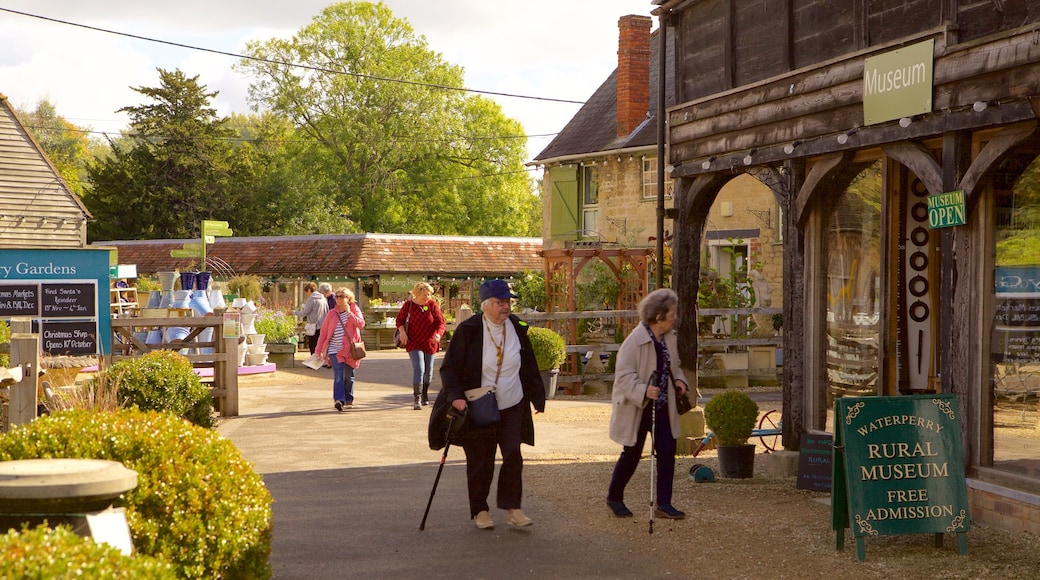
(549, 348)
(731, 415)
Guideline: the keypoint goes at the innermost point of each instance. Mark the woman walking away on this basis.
(313, 314)
(649, 352)
(342, 327)
(492, 350)
(421, 326)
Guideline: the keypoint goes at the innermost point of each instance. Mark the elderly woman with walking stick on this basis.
(492, 353)
(646, 361)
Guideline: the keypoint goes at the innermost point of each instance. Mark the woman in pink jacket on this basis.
(342, 326)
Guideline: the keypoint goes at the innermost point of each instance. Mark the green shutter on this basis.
(564, 211)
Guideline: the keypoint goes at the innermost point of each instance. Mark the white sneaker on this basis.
(484, 521)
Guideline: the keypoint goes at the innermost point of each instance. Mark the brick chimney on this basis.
(633, 72)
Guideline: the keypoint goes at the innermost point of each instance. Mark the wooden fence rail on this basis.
(705, 344)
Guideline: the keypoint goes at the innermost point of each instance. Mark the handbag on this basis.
(397, 331)
(357, 349)
(683, 404)
(483, 407)
(310, 328)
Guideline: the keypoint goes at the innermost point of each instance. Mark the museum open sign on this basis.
(946, 209)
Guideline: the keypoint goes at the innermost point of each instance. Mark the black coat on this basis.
(461, 369)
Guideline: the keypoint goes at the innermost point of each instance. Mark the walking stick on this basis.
(653, 458)
(444, 457)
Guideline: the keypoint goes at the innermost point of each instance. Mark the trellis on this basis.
(562, 268)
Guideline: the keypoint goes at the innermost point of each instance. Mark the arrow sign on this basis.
(186, 253)
(212, 228)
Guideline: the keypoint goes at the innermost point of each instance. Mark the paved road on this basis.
(350, 488)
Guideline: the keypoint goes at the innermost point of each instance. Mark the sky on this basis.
(556, 49)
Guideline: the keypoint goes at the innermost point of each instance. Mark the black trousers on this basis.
(480, 445)
(312, 341)
(664, 444)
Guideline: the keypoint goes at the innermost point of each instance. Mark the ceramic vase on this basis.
(199, 303)
(181, 299)
(187, 281)
(154, 337)
(202, 281)
(216, 299)
(154, 299)
(166, 281)
(248, 321)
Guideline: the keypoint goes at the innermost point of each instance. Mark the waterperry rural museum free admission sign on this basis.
(898, 469)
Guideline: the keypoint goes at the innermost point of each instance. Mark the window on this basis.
(589, 201)
(1014, 331)
(650, 180)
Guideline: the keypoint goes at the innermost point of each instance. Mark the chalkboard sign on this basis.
(898, 468)
(69, 337)
(68, 300)
(814, 462)
(19, 300)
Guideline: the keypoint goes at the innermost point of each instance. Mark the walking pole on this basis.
(653, 458)
(444, 457)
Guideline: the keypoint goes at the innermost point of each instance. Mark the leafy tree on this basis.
(173, 170)
(414, 154)
(67, 145)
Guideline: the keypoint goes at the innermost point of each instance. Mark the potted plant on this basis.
(731, 416)
(550, 350)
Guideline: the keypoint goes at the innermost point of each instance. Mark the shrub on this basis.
(198, 504)
(276, 325)
(245, 286)
(5, 338)
(162, 380)
(731, 416)
(549, 347)
(44, 552)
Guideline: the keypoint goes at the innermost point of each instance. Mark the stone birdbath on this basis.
(59, 490)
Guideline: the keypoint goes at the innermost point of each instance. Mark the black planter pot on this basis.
(737, 461)
(549, 380)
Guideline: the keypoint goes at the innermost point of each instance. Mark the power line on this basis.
(42, 130)
(280, 63)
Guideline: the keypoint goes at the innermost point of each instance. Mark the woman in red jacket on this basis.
(421, 326)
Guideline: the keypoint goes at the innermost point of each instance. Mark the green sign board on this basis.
(898, 83)
(398, 283)
(946, 209)
(898, 468)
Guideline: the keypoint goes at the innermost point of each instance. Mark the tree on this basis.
(174, 169)
(394, 144)
(66, 145)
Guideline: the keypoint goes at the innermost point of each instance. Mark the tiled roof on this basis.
(344, 255)
(593, 129)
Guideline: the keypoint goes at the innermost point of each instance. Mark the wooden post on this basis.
(25, 353)
(227, 372)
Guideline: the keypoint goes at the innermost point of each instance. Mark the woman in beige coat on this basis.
(649, 352)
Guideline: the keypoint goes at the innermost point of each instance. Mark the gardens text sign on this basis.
(898, 468)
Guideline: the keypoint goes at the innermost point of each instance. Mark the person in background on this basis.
(648, 350)
(421, 326)
(313, 313)
(325, 289)
(342, 326)
(493, 350)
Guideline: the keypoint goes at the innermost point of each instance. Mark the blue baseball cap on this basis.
(496, 289)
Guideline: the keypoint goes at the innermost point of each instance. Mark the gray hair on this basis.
(325, 288)
(656, 305)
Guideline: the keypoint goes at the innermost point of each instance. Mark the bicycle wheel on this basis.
(770, 423)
